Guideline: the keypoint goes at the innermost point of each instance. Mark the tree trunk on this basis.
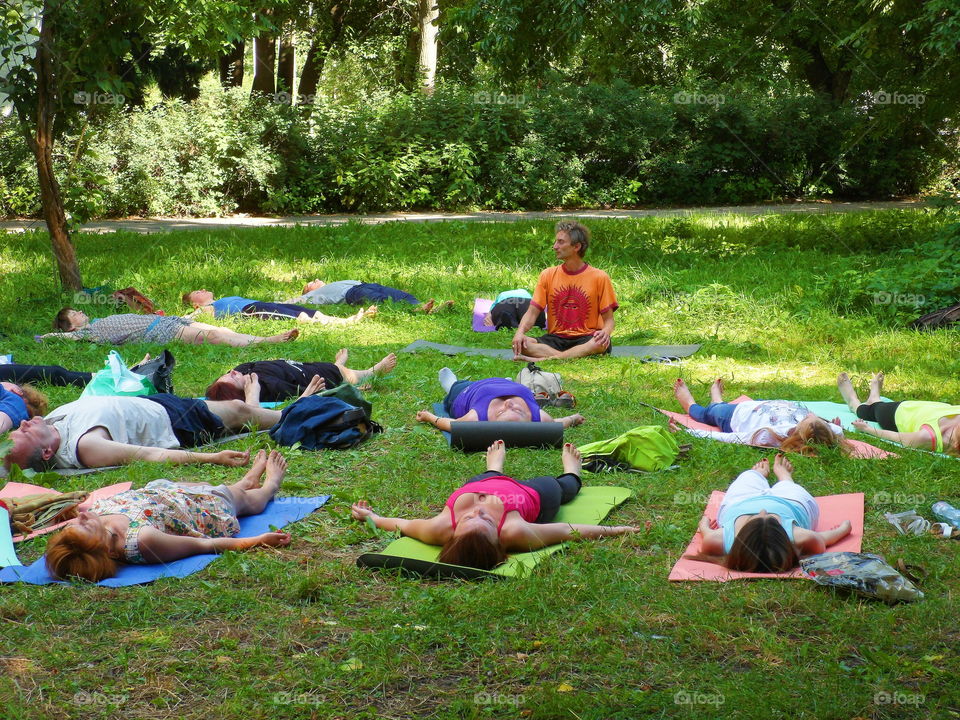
(317, 56)
(429, 13)
(285, 70)
(41, 142)
(264, 62)
(231, 65)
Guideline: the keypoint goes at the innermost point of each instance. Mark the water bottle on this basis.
(947, 512)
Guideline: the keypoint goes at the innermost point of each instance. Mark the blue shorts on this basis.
(191, 419)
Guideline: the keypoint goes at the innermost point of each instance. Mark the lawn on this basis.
(596, 632)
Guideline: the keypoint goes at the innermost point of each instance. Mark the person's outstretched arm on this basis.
(433, 531)
(441, 423)
(72, 335)
(918, 439)
(157, 546)
(711, 537)
(813, 543)
(533, 536)
(95, 451)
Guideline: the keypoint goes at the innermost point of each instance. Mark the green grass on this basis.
(301, 632)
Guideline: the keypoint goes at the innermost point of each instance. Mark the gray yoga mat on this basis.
(648, 353)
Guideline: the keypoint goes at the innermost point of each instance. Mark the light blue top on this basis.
(230, 305)
(791, 513)
(525, 294)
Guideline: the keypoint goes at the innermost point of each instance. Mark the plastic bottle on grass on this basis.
(950, 517)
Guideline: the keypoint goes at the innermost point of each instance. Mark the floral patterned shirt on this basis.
(196, 511)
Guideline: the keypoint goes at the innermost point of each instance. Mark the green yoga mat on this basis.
(413, 557)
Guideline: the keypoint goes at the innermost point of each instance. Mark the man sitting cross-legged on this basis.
(579, 301)
(102, 431)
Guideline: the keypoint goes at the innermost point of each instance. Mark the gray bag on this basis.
(540, 381)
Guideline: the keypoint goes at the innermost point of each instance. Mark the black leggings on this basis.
(880, 412)
(51, 374)
(553, 491)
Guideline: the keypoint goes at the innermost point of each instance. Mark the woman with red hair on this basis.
(166, 521)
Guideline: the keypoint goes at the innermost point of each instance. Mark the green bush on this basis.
(560, 145)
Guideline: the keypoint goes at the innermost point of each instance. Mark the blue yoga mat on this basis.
(279, 513)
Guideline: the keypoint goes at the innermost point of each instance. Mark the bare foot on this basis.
(762, 467)
(716, 390)
(385, 365)
(782, 467)
(283, 337)
(571, 459)
(146, 358)
(341, 357)
(426, 307)
(876, 387)
(488, 320)
(496, 455)
(444, 306)
(847, 391)
(251, 481)
(315, 385)
(528, 358)
(370, 311)
(683, 395)
(251, 389)
(276, 470)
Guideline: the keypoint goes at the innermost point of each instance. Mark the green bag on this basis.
(351, 396)
(116, 379)
(642, 449)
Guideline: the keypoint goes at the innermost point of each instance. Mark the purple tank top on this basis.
(478, 395)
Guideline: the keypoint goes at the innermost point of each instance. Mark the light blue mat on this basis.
(279, 513)
(8, 556)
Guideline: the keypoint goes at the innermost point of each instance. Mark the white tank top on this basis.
(128, 420)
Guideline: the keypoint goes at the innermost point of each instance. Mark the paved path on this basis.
(152, 225)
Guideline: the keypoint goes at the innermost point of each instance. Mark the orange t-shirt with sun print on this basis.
(574, 301)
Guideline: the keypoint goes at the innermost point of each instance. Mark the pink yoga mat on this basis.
(481, 306)
(14, 490)
(862, 450)
(834, 509)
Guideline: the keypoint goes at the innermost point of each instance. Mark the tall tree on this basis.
(285, 65)
(64, 57)
(231, 64)
(265, 63)
(427, 17)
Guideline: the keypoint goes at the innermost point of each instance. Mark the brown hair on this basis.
(61, 322)
(35, 400)
(816, 432)
(186, 298)
(472, 549)
(220, 390)
(762, 545)
(579, 234)
(72, 553)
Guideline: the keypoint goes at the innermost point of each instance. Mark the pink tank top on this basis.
(512, 494)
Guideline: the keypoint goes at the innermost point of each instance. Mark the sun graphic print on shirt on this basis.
(570, 307)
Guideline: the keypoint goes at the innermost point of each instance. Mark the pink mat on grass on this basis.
(862, 450)
(481, 306)
(14, 490)
(834, 509)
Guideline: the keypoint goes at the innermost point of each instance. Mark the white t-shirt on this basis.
(753, 421)
(128, 420)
